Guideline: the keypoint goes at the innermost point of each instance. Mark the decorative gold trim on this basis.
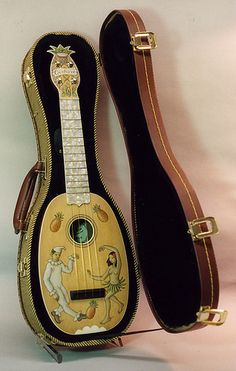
(205, 312)
(145, 40)
(196, 231)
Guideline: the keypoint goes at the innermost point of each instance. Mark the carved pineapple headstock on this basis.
(64, 72)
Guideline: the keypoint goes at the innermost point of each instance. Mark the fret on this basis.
(74, 157)
(80, 184)
(73, 141)
(71, 124)
(70, 115)
(72, 133)
(81, 188)
(72, 149)
(80, 165)
(78, 199)
(76, 178)
(75, 171)
(75, 166)
(69, 104)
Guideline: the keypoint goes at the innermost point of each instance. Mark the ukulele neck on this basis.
(76, 173)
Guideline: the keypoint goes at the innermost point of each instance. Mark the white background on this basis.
(196, 80)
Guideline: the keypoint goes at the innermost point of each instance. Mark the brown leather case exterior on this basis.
(128, 21)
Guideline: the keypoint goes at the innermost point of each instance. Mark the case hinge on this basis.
(22, 268)
(196, 231)
(145, 40)
(220, 316)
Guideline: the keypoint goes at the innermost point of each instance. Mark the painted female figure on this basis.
(114, 283)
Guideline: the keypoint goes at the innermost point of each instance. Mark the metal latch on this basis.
(143, 41)
(220, 316)
(22, 268)
(208, 223)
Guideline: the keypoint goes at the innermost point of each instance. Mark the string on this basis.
(64, 153)
(76, 128)
(93, 243)
(94, 252)
(74, 108)
(88, 212)
(81, 176)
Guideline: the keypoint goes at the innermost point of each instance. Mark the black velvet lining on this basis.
(85, 60)
(165, 249)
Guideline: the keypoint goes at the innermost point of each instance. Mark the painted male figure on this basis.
(53, 281)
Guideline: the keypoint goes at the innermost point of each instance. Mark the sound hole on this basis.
(81, 231)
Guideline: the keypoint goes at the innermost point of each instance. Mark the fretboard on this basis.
(76, 173)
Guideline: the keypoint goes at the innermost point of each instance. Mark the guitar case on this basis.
(172, 235)
(68, 310)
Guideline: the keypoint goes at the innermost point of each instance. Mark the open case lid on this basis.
(172, 235)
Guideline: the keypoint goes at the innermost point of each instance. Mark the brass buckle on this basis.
(145, 40)
(205, 312)
(196, 231)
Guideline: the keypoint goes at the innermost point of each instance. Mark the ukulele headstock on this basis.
(64, 72)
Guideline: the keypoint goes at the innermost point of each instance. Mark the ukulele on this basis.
(79, 285)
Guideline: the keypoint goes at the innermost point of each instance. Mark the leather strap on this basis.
(25, 197)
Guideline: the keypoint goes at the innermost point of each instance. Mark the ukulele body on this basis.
(77, 273)
(80, 236)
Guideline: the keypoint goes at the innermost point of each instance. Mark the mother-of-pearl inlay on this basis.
(76, 174)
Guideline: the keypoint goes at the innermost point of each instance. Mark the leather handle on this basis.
(25, 197)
